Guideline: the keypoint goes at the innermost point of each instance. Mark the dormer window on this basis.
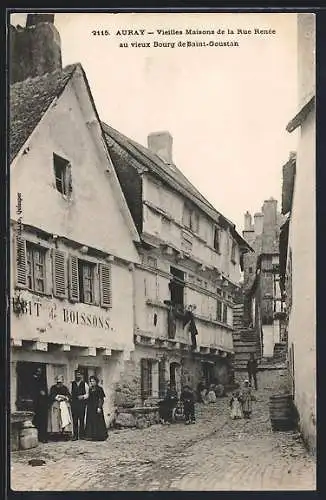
(62, 173)
(191, 218)
(217, 239)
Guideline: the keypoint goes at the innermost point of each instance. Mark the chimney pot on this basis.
(160, 143)
(247, 221)
(258, 223)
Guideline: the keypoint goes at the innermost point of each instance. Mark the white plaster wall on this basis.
(268, 339)
(172, 203)
(302, 241)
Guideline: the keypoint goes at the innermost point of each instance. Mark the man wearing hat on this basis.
(79, 396)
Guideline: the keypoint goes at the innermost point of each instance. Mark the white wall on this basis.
(302, 241)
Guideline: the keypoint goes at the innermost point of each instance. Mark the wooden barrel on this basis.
(28, 438)
(281, 410)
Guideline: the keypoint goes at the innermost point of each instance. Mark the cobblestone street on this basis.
(214, 454)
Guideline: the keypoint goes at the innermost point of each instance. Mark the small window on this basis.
(217, 239)
(176, 286)
(191, 218)
(152, 262)
(250, 269)
(219, 310)
(225, 313)
(35, 268)
(233, 252)
(62, 173)
(86, 281)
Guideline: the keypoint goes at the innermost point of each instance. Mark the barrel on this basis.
(28, 436)
(282, 414)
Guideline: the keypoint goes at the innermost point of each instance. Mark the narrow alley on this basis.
(215, 454)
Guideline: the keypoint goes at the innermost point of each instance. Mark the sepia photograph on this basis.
(162, 251)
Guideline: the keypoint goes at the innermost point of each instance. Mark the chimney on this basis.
(160, 143)
(36, 49)
(258, 224)
(247, 221)
(270, 214)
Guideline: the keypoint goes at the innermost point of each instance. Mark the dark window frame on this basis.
(62, 175)
(34, 265)
(86, 281)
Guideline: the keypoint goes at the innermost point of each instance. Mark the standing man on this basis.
(188, 399)
(79, 396)
(252, 369)
(40, 405)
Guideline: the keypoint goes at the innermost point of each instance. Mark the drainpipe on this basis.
(132, 269)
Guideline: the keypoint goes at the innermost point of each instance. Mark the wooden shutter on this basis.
(161, 378)
(105, 285)
(59, 273)
(21, 261)
(144, 377)
(73, 279)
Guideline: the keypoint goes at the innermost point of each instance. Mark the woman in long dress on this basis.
(95, 424)
(60, 417)
(247, 399)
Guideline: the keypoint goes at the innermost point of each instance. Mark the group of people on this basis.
(62, 413)
(241, 402)
(169, 405)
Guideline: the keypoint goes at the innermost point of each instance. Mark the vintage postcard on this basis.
(162, 223)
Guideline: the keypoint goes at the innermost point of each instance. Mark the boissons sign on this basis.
(76, 317)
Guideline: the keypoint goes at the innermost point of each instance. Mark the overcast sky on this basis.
(226, 108)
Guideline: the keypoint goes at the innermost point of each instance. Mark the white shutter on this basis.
(73, 279)
(105, 285)
(59, 273)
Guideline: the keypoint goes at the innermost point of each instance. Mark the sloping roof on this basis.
(29, 100)
(141, 157)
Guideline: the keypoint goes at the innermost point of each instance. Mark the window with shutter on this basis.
(21, 261)
(146, 378)
(73, 278)
(225, 313)
(59, 273)
(105, 285)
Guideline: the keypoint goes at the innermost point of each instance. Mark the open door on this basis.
(25, 382)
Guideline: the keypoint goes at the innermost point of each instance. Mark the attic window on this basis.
(62, 173)
(217, 239)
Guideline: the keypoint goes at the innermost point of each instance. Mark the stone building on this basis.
(298, 239)
(72, 236)
(263, 302)
(189, 272)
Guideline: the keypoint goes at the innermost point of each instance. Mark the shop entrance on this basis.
(25, 382)
(88, 371)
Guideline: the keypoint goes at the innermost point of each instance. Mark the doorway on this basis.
(25, 382)
(175, 376)
(208, 373)
(89, 371)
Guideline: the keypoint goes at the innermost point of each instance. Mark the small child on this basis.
(247, 399)
(235, 405)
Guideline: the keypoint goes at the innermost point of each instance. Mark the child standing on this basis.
(235, 405)
(188, 399)
(247, 399)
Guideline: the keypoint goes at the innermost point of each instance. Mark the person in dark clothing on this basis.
(188, 399)
(252, 369)
(79, 396)
(168, 404)
(40, 405)
(95, 423)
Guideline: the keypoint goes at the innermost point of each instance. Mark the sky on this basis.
(226, 107)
